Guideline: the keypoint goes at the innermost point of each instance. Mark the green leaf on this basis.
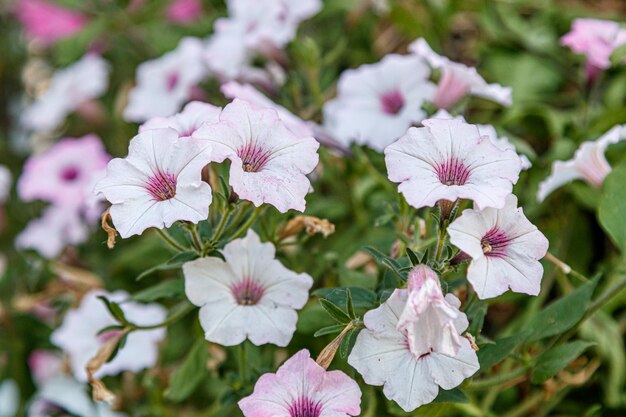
(619, 55)
(189, 374)
(613, 205)
(172, 288)
(335, 312)
(362, 298)
(555, 359)
(348, 342)
(412, 257)
(494, 353)
(454, 395)
(349, 304)
(175, 262)
(562, 314)
(114, 309)
(329, 330)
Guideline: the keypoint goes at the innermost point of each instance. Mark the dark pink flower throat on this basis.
(162, 186)
(452, 172)
(494, 243)
(304, 407)
(392, 102)
(247, 292)
(253, 157)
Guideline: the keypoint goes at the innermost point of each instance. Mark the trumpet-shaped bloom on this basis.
(596, 39)
(505, 249)
(164, 84)
(458, 80)
(158, 183)
(63, 173)
(250, 295)
(269, 162)
(194, 115)
(382, 355)
(47, 22)
(70, 87)
(589, 164)
(448, 160)
(78, 335)
(376, 103)
(302, 388)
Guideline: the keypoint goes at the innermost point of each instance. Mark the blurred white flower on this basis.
(250, 295)
(193, 115)
(9, 398)
(6, 179)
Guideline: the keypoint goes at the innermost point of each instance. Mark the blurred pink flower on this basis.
(166, 83)
(269, 162)
(69, 88)
(184, 11)
(78, 335)
(48, 22)
(450, 160)
(458, 80)
(377, 103)
(302, 388)
(382, 355)
(505, 249)
(193, 115)
(63, 173)
(589, 164)
(158, 183)
(44, 365)
(250, 295)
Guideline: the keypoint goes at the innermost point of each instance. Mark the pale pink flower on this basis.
(57, 228)
(450, 160)
(62, 173)
(69, 88)
(377, 103)
(458, 80)
(166, 83)
(269, 163)
(250, 295)
(184, 11)
(382, 356)
(193, 115)
(596, 39)
(6, 179)
(44, 365)
(589, 164)
(158, 183)
(47, 22)
(78, 335)
(302, 388)
(505, 249)
(429, 319)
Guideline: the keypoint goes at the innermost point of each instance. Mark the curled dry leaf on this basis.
(100, 391)
(312, 225)
(327, 354)
(110, 230)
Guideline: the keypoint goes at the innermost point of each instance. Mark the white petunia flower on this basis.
(158, 183)
(250, 295)
(382, 355)
(193, 115)
(450, 160)
(6, 179)
(505, 249)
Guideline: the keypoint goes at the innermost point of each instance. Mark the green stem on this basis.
(440, 241)
(248, 223)
(170, 241)
(606, 296)
(197, 242)
(221, 225)
(180, 312)
(243, 371)
(497, 380)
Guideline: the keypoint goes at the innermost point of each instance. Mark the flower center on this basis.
(392, 102)
(494, 243)
(253, 157)
(172, 81)
(70, 174)
(162, 186)
(305, 407)
(452, 172)
(247, 292)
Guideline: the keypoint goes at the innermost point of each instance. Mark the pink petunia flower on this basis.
(250, 295)
(269, 163)
(382, 355)
(302, 388)
(69, 88)
(458, 80)
(166, 83)
(83, 324)
(44, 365)
(184, 11)
(63, 173)
(158, 183)
(589, 164)
(376, 103)
(450, 160)
(193, 115)
(505, 249)
(47, 22)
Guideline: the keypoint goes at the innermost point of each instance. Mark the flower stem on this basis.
(248, 223)
(181, 311)
(565, 268)
(197, 242)
(170, 241)
(243, 372)
(221, 225)
(498, 379)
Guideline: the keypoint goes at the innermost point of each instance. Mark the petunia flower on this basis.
(450, 160)
(376, 103)
(250, 295)
(302, 388)
(589, 164)
(184, 11)
(69, 88)
(458, 80)
(166, 83)
(269, 162)
(193, 115)
(382, 355)
(47, 22)
(9, 398)
(78, 334)
(158, 183)
(62, 174)
(504, 247)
